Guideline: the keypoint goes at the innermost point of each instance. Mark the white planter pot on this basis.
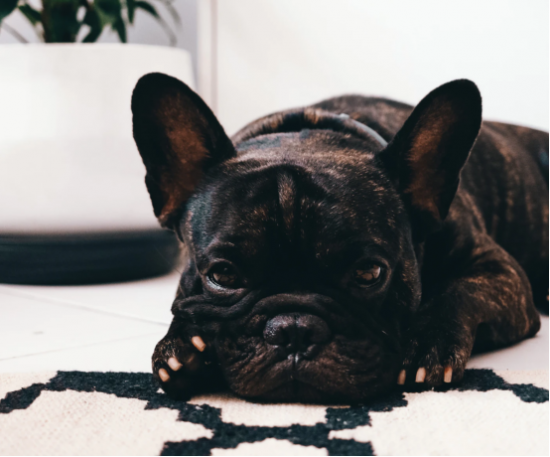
(68, 162)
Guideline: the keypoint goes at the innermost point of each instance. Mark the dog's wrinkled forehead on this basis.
(310, 194)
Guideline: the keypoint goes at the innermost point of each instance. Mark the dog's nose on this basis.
(296, 332)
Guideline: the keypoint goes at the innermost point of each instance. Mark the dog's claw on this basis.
(163, 375)
(198, 343)
(421, 375)
(448, 376)
(174, 363)
(401, 378)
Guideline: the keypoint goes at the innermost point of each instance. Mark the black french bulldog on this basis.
(338, 250)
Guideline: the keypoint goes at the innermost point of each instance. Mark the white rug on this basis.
(80, 413)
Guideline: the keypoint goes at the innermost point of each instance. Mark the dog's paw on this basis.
(435, 356)
(180, 366)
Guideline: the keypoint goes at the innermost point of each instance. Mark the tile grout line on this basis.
(18, 293)
(97, 343)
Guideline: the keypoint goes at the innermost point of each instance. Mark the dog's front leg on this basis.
(488, 303)
(182, 362)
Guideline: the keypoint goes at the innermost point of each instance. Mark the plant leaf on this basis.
(147, 7)
(6, 8)
(30, 13)
(141, 4)
(111, 10)
(59, 19)
(120, 28)
(93, 20)
(172, 11)
(131, 7)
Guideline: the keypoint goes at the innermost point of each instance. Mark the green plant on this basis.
(60, 21)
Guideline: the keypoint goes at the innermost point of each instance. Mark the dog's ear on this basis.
(426, 156)
(178, 138)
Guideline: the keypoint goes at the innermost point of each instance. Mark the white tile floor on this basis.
(115, 327)
(105, 327)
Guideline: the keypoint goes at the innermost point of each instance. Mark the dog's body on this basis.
(327, 265)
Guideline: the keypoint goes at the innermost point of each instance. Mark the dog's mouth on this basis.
(302, 380)
(297, 390)
(336, 371)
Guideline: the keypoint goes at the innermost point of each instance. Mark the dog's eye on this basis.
(368, 275)
(224, 276)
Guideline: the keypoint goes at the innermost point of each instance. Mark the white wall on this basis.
(275, 54)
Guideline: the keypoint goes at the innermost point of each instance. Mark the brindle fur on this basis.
(302, 195)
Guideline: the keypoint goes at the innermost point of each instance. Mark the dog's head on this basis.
(302, 233)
